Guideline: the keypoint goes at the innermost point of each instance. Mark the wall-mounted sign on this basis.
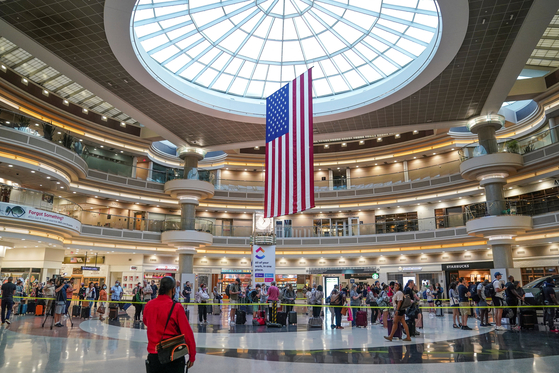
(412, 269)
(23, 212)
(376, 276)
(463, 266)
(166, 268)
(263, 264)
(133, 268)
(226, 271)
(90, 268)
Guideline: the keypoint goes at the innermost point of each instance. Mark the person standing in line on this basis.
(186, 294)
(69, 294)
(309, 295)
(498, 300)
(8, 291)
(49, 293)
(289, 297)
(97, 291)
(464, 303)
(81, 293)
(264, 297)
(482, 304)
(103, 300)
(332, 308)
(372, 301)
(317, 301)
(116, 292)
(399, 314)
(90, 295)
(137, 297)
(273, 296)
(355, 302)
(153, 290)
(550, 299)
(234, 292)
(177, 292)
(202, 298)
(513, 299)
(454, 302)
(155, 318)
(60, 304)
(147, 292)
(18, 296)
(337, 300)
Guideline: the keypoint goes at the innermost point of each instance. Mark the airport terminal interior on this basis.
(141, 146)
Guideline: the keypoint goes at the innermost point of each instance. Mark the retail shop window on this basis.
(449, 217)
(533, 273)
(393, 223)
(339, 179)
(397, 277)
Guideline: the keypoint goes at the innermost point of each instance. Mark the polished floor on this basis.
(120, 346)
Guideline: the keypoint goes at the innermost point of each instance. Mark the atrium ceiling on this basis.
(74, 30)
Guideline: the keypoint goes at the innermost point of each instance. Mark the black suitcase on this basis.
(411, 327)
(292, 316)
(31, 306)
(282, 318)
(113, 313)
(76, 311)
(187, 313)
(85, 312)
(528, 318)
(241, 317)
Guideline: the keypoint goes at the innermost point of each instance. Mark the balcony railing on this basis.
(523, 146)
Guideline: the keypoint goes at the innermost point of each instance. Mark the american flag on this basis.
(289, 149)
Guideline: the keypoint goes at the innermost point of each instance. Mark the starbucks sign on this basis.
(376, 276)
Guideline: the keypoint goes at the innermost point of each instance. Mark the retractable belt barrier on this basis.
(294, 304)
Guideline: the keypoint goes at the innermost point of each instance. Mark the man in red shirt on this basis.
(155, 316)
(273, 295)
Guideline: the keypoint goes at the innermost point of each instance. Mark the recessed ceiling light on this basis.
(10, 165)
(122, 124)
(96, 197)
(116, 200)
(434, 153)
(58, 182)
(48, 177)
(74, 192)
(414, 157)
(101, 146)
(84, 110)
(376, 164)
(452, 149)
(539, 181)
(326, 146)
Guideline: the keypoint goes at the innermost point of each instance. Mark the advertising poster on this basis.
(31, 213)
(263, 264)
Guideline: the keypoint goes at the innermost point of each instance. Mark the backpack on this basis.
(489, 290)
(475, 297)
(425, 294)
(253, 296)
(228, 290)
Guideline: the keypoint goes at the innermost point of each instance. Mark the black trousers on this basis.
(513, 302)
(202, 312)
(138, 313)
(154, 366)
(316, 311)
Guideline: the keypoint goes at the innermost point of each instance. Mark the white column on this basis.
(218, 179)
(134, 165)
(330, 180)
(348, 178)
(406, 172)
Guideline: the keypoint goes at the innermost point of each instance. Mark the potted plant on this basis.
(512, 146)
(48, 131)
(67, 141)
(23, 122)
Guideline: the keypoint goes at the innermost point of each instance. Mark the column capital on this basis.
(490, 120)
(189, 151)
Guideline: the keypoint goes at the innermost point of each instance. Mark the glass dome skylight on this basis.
(250, 48)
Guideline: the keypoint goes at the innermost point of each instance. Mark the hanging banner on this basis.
(33, 214)
(263, 264)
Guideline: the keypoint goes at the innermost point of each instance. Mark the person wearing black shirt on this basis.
(186, 294)
(464, 303)
(408, 291)
(154, 290)
(512, 298)
(8, 291)
(550, 299)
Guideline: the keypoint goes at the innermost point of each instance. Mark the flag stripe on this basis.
(310, 126)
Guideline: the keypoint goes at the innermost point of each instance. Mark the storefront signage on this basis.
(412, 269)
(32, 214)
(343, 270)
(461, 266)
(166, 268)
(263, 264)
(133, 268)
(235, 271)
(88, 268)
(376, 276)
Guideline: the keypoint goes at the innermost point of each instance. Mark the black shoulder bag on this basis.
(173, 348)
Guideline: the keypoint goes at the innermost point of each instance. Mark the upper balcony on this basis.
(502, 158)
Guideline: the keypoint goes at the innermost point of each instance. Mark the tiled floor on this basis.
(120, 346)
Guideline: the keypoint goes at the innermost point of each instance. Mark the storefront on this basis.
(29, 275)
(422, 275)
(157, 272)
(474, 272)
(228, 276)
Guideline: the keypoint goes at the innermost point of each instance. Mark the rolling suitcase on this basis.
(39, 310)
(216, 309)
(241, 317)
(22, 309)
(31, 306)
(292, 317)
(361, 319)
(282, 318)
(113, 313)
(187, 313)
(315, 322)
(85, 312)
(439, 312)
(76, 311)
(411, 327)
(528, 318)
(398, 333)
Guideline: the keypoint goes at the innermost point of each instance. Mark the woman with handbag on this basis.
(103, 300)
(202, 297)
(168, 332)
(372, 302)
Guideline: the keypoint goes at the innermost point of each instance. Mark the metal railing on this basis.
(522, 146)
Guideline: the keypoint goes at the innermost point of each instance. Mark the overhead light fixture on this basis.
(434, 153)
(344, 145)
(45, 92)
(104, 118)
(85, 111)
(361, 142)
(65, 102)
(10, 165)
(397, 136)
(326, 146)
(48, 177)
(415, 132)
(3, 67)
(32, 172)
(379, 139)
(414, 157)
(256, 148)
(24, 81)
(122, 124)
(102, 146)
